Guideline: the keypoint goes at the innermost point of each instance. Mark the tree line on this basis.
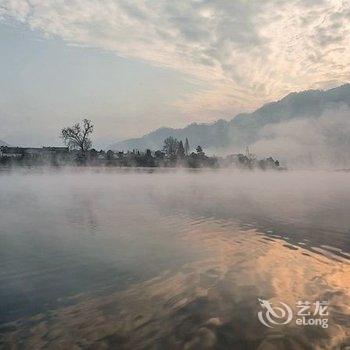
(79, 151)
(173, 153)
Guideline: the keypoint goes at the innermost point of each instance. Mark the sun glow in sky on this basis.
(133, 66)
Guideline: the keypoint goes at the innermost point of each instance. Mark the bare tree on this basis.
(77, 136)
(170, 146)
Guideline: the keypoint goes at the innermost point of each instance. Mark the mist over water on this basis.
(309, 142)
(134, 259)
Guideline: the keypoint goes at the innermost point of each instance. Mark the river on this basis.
(141, 259)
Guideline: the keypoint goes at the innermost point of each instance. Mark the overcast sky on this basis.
(133, 66)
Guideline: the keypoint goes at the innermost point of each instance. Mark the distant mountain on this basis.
(3, 143)
(244, 129)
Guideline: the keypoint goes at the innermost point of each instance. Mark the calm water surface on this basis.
(108, 259)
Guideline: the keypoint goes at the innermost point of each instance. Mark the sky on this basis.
(134, 66)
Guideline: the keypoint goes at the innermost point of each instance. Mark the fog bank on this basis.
(309, 142)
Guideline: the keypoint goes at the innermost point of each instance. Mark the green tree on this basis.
(180, 152)
(110, 155)
(199, 150)
(187, 146)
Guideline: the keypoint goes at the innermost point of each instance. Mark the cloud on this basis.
(309, 142)
(241, 53)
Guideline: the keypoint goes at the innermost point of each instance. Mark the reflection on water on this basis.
(124, 260)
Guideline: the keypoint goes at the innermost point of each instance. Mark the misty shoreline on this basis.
(39, 169)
